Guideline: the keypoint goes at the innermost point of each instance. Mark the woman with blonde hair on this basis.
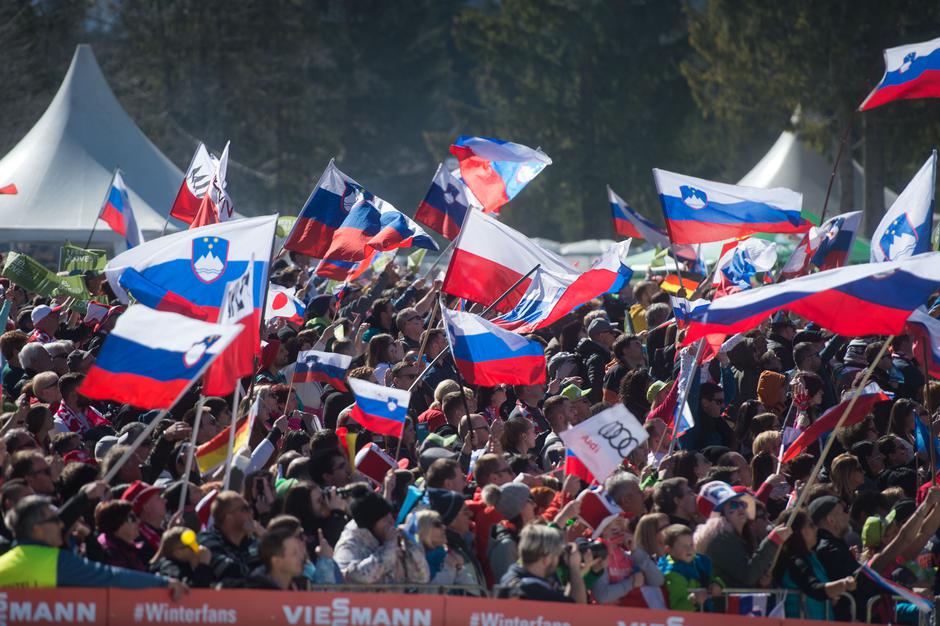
(767, 441)
(446, 567)
(188, 563)
(846, 475)
(648, 535)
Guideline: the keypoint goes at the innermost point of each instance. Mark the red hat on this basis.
(138, 494)
(269, 352)
(79, 456)
(434, 418)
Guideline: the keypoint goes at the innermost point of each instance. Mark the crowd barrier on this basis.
(155, 607)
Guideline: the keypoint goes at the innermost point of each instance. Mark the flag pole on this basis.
(680, 405)
(427, 333)
(231, 436)
(107, 192)
(484, 312)
(931, 446)
(856, 393)
(439, 258)
(191, 453)
(835, 165)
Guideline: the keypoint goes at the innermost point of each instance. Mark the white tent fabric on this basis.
(62, 167)
(789, 163)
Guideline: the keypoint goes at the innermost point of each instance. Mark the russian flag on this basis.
(195, 185)
(150, 357)
(336, 269)
(489, 257)
(905, 228)
(496, 170)
(550, 296)
(322, 367)
(925, 331)
(629, 223)
(699, 211)
(397, 230)
(868, 398)
(283, 303)
(575, 467)
(868, 299)
(327, 207)
(488, 355)
(911, 71)
(379, 409)
(117, 213)
(195, 266)
(836, 238)
(445, 205)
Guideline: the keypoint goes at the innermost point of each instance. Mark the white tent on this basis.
(789, 163)
(62, 167)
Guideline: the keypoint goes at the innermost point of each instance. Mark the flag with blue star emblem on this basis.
(905, 229)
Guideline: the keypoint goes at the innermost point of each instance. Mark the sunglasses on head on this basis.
(735, 505)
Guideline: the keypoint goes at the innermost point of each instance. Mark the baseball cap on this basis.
(42, 311)
(716, 494)
(654, 389)
(821, 507)
(575, 393)
(138, 493)
(600, 325)
(76, 357)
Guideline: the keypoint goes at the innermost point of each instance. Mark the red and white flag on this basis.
(195, 185)
(237, 360)
(490, 256)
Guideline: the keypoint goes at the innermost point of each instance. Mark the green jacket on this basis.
(681, 577)
(31, 564)
(735, 564)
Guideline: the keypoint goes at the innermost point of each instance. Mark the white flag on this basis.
(605, 440)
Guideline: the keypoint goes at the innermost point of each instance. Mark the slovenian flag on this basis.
(151, 358)
(214, 452)
(835, 240)
(496, 170)
(551, 296)
(905, 228)
(488, 355)
(445, 205)
(858, 300)
(283, 303)
(379, 409)
(699, 211)
(321, 367)
(911, 72)
(117, 213)
(324, 212)
(629, 223)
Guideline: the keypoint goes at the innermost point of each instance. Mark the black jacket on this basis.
(201, 576)
(838, 561)
(594, 359)
(230, 561)
(518, 583)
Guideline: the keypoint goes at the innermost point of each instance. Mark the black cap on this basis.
(821, 507)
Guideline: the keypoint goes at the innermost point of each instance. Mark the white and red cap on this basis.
(715, 494)
(42, 311)
(597, 510)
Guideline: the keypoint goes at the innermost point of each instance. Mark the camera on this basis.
(597, 548)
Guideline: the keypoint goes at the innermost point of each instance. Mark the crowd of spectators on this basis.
(479, 502)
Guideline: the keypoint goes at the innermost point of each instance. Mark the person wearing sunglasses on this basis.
(36, 559)
(120, 527)
(737, 558)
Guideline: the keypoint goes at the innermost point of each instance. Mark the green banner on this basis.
(415, 259)
(33, 276)
(72, 258)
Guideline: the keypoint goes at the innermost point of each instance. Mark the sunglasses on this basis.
(735, 505)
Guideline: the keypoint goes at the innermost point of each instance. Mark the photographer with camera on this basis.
(541, 550)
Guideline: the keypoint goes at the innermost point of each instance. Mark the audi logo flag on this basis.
(604, 441)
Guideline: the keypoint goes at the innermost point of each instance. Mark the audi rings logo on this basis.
(619, 438)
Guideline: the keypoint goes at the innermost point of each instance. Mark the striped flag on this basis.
(923, 604)
(214, 452)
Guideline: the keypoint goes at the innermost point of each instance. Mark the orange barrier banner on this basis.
(250, 607)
